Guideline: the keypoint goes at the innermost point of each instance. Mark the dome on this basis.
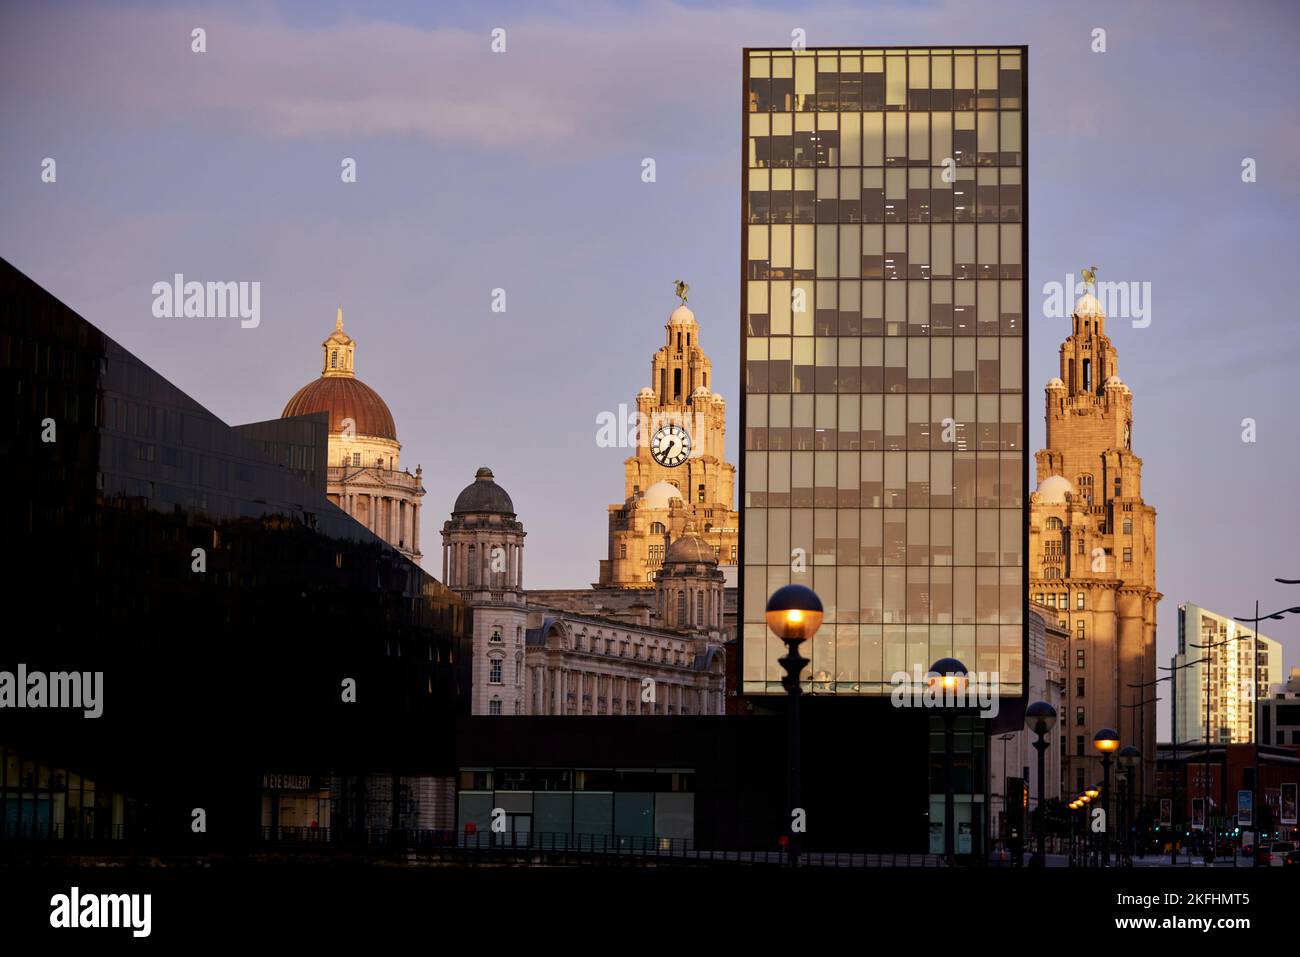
(659, 495)
(718, 399)
(1088, 307)
(1055, 383)
(647, 391)
(681, 315)
(339, 392)
(483, 495)
(1115, 382)
(1053, 489)
(344, 397)
(691, 549)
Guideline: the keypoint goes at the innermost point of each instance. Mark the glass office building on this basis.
(883, 301)
(202, 570)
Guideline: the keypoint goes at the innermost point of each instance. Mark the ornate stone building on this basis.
(673, 479)
(1092, 548)
(483, 561)
(662, 656)
(365, 477)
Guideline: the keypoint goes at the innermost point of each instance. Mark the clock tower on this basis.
(679, 473)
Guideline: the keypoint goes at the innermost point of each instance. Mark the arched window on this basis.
(1053, 522)
(496, 634)
(657, 528)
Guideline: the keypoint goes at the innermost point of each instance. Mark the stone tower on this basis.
(659, 500)
(1092, 550)
(689, 587)
(483, 562)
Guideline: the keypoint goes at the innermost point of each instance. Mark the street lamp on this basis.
(948, 676)
(1090, 794)
(1040, 718)
(1129, 756)
(1107, 742)
(1072, 806)
(794, 613)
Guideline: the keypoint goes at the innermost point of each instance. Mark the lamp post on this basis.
(1006, 801)
(1072, 806)
(1105, 741)
(1089, 795)
(949, 677)
(794, 613)
(1129, 757)
(1141, 771)
(1040, 718)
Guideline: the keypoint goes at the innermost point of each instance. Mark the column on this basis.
(415, 526)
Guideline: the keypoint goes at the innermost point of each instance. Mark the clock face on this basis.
(671, 446)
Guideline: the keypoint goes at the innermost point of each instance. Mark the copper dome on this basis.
(344, 397)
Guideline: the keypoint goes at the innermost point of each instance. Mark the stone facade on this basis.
(364, 475)
(658, 500)
(588, 651)
(1092, 551)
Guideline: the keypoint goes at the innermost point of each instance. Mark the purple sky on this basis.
(522, 171)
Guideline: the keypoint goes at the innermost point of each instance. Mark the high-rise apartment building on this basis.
(883, 301)
(1225, 668)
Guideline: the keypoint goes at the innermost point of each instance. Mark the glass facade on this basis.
(203, 572)
(628, 809)
(883, 252)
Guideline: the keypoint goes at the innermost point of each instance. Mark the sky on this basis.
(521, 171)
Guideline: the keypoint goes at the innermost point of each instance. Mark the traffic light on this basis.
(1017, 808)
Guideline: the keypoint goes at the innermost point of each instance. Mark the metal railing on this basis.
(542, 847)
(445, 847)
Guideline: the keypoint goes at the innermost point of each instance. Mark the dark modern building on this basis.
(231, 609)
(884, 258)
